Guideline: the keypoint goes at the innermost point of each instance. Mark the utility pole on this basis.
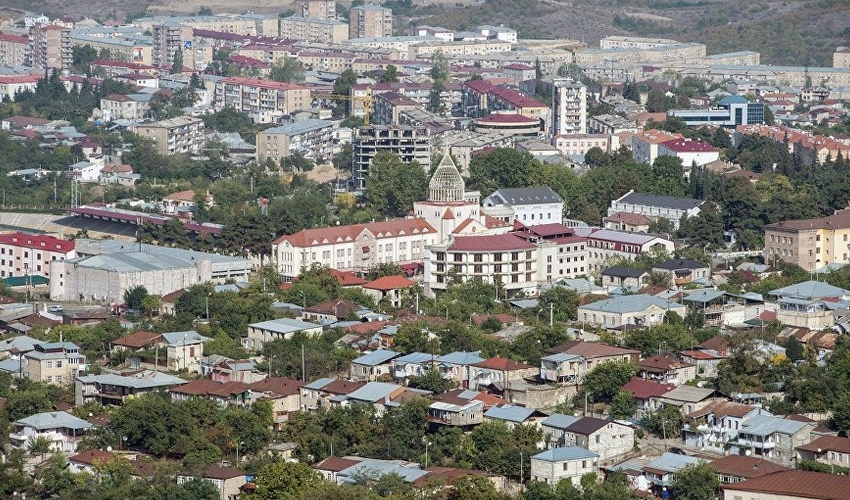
(551, 313)
(303, 365)
(521, 470)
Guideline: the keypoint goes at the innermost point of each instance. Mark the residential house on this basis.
(625, 221)
(234, 370)
(563, 368)
(808, 304)
(774, 438)
(184, 350)
(330, 467)
(595, 353)
(227, 393)
(371, 366)
(659, 472)
(656, 207)
(54, 362)
(499, 373)
(690, 151)
(665, 368)
(684, 271)
(388, 291)
(829, 450)
(790, 485)
(529, 205)
(456, 412)
(638, 309)
(645, 144)
(736, 468)
(323, 392)
(705, 361)
(380, 395)
(135, 342)
(647, 394)
(63, 430)
(685, 397)
(370, 469)
(572, 462)
(623, 277)
(281, 328)
(415, 364)
(332, 311)
(115, 389)
(228, 481)
(555, 429)
(512, 415)
(456, 366)
(606, 438)
(607, 245)
(711, 428)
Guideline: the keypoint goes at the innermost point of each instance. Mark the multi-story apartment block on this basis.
(610, 124)
(480, 98)
(569, 107)
(607, 245)
(63, 430)
(10, 85)
(125, 107)
(266, 101)
(633, 42)
(54, 363)
(502, 33)
(354, 247)
(370, 21)
(240, 24)
(810, 243)
(656, 206)
(318, 9)
(26, 254)
(312, 138)
(182, 134)
(409, 143)
(457, 49)
(645, 144)
(389, 105)
(50, 46)
(14, 50)
(311, 29)
(841, 57)
(580, 144)
(124, 43)
(167, 39)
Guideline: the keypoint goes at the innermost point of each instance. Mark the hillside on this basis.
(784, 32)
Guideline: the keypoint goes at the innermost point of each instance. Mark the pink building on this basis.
(26, 254)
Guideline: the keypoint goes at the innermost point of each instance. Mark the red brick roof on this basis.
(645, 389)
(341, 387)
(278, 385)
(662, 362)
(507, 118)
(204, 387)
(723, 409)
(629, 218)
(173, 296)
(138, 340)
(716, 343)
(217, 472)
(827, 443)
(389, 283)
(38, 242)
(490, 243)
(335, 464)
(93, 457)
(4, 37)
(746, 467)
(590, 350)
(797, 484)
(339, 234)
(347, 279)
(503, 364)
(688, 146)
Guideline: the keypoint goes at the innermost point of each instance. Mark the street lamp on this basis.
(207, 305)
(427, 444)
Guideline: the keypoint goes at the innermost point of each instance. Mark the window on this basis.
(58, 364)
(50, 364)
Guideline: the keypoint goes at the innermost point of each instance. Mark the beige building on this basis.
(12, 84)
(841, 57)
(169, 37)
(228, 481)
(54, 363)
(310, 29)
(183, 134)
(580, 144)
(790, 485)
(810, 243)
(50, 46)
(370, 21)
(14, 50)
(312, 138)
(319, 9)
(119, 106)
(266, 101)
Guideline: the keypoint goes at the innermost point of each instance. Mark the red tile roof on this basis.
(138, 340)
(645, 389)
(204, 387)
(341, 387)
(662, 362)
(827, 443)
(716, 343)
(4, 37)
(38, 242)
(335, 464)
(797, 484)
(490, 243)
(688, 146)
(507, 118)
(93, 457)
(173, 296)
(590, 350)
(629, 218)
(515, 98)
(389, 283)
(698, 354)
(278, 385)
(19, 78)
(503, 364)
(217, 472)
(723, 409)
(263, 84)
(339, 234)
(746, 467)
(347, 279)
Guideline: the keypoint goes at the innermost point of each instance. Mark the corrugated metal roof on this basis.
(564, 454)
(54, 420)
(509, 413)
(374, 391)
(559, 421)
(375, 358)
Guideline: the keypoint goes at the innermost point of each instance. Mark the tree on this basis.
(133, 297)
(81, 58)
(284, 480)
(150, 305)
(342, 87)
(623, 405)
(390, 74)
(501, 168)
(794, 349)
(432, 380)
(393, 185)
(841, 414)
(440, 72)
(605, 379)
(695, 482)
(288, 70)
(563, 303)
(665, 423)
(177, 61)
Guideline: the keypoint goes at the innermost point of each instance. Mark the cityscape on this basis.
(340, 252)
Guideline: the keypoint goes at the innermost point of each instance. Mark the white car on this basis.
(56, 308)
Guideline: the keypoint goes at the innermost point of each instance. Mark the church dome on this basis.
(446, 184)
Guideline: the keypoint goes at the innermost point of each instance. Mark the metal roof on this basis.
(510, 413)
(148, 381)
(414, 358)
(375, 358)
(53, 420)
(564, 454)
(374, 391)
(561, 357)
(284, 325)
(523, 196)
(375, 469)
(183, 338)
(319, 384)
(654, 200)
(559, 421)
(765, 425)
(628, 303)
(460, 358)
(671, 462)
(810, 290)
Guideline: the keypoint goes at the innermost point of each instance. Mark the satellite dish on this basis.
(109, 448)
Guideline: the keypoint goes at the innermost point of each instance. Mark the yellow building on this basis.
(810, 243)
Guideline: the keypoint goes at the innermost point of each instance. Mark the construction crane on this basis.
(365, 99)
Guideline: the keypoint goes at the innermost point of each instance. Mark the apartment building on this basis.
(354, 247)
(167, 38)
(30, 255)
(370, 21)
(14, 50)
(458, 48)
(266, 101)
(310, 29)
(569, 107)
(182, 134)
(607, 245)
(50, 46)
(10, 85)
(125, 107)
(656, 207)
(480, 98)
(124, 43)
(317, 9)
(691, 152)
(645, 144)
(409, 143)
(810, 243)
(312, 138)
(580, 144)
(629, 42)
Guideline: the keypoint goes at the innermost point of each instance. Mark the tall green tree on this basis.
(440, 72)
(284, 480)
(342, 87)
(501, 168)
(695, 482)
(177, 61)
(393, 185)
(287, 70)
(605, 379)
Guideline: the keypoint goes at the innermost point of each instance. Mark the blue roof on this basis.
(564, 454)
(187, 337)
(460, 358)
(375, 469)
(561, 357)
(318, 384)
(560, 421)
(11, 366)
(415, 358)
(373, 391)
(671, 462)
(376, 358)
(54, 420)
(732, 99)
(510, 413)
(628, 303)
